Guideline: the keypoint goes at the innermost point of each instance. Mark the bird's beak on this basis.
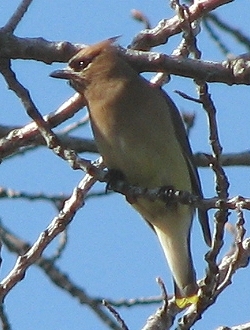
(64, 74)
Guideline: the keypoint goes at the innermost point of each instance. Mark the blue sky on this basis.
(111, 252)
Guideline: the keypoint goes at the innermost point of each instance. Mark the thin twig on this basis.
(5, 324)
(15, 194)
(245, 326)
(227, 28)
(15, 19)
(164, 295)
(63, 239)
(139, 16)
(148, 39)
(75, 125)
(116, 315)
(212, 273)
(57, 277)
(18, 138)
(215, 37)
(43, 125)
(187, 97)
(57, 225)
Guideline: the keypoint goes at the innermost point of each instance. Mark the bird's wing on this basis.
(187, 152)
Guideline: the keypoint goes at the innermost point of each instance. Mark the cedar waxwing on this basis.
(139, 132)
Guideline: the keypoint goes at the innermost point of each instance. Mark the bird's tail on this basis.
(176, 247)
(189, 297)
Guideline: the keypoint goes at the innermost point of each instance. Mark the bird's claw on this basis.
(116, 181)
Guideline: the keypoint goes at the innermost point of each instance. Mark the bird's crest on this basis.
(87, 54)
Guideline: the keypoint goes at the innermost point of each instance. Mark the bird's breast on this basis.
(134, 132)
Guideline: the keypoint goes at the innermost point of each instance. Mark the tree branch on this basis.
(15, 19)
(166, 28)
(58, 278)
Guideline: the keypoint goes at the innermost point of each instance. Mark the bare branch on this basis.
(235, 71)
(116, 315)
(164, 322)
(58, 225)
(230, 159)
(245, 326)
(26, 135)
(58, 278)
(5, 324)
(141, 17)
(14, 194)
(222, 183)
(11, 25)
(230, 72)
(215, 37)
(147, 39)
(192, 315)
(221, 187)
(75, 125)
(227, 28)
(39, 49)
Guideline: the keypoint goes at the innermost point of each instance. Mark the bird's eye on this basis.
(78, 65)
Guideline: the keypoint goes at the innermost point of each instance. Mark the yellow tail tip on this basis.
(186, 301)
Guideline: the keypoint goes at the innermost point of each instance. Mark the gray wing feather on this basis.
(187, 152)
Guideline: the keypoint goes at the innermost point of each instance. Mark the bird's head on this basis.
(80, 67)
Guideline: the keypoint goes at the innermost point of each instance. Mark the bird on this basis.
(140, 134)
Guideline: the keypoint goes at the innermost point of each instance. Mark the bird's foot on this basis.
(114, 178)
(116, 181)
(167, 195)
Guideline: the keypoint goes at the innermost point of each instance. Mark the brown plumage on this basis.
(139, 132)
